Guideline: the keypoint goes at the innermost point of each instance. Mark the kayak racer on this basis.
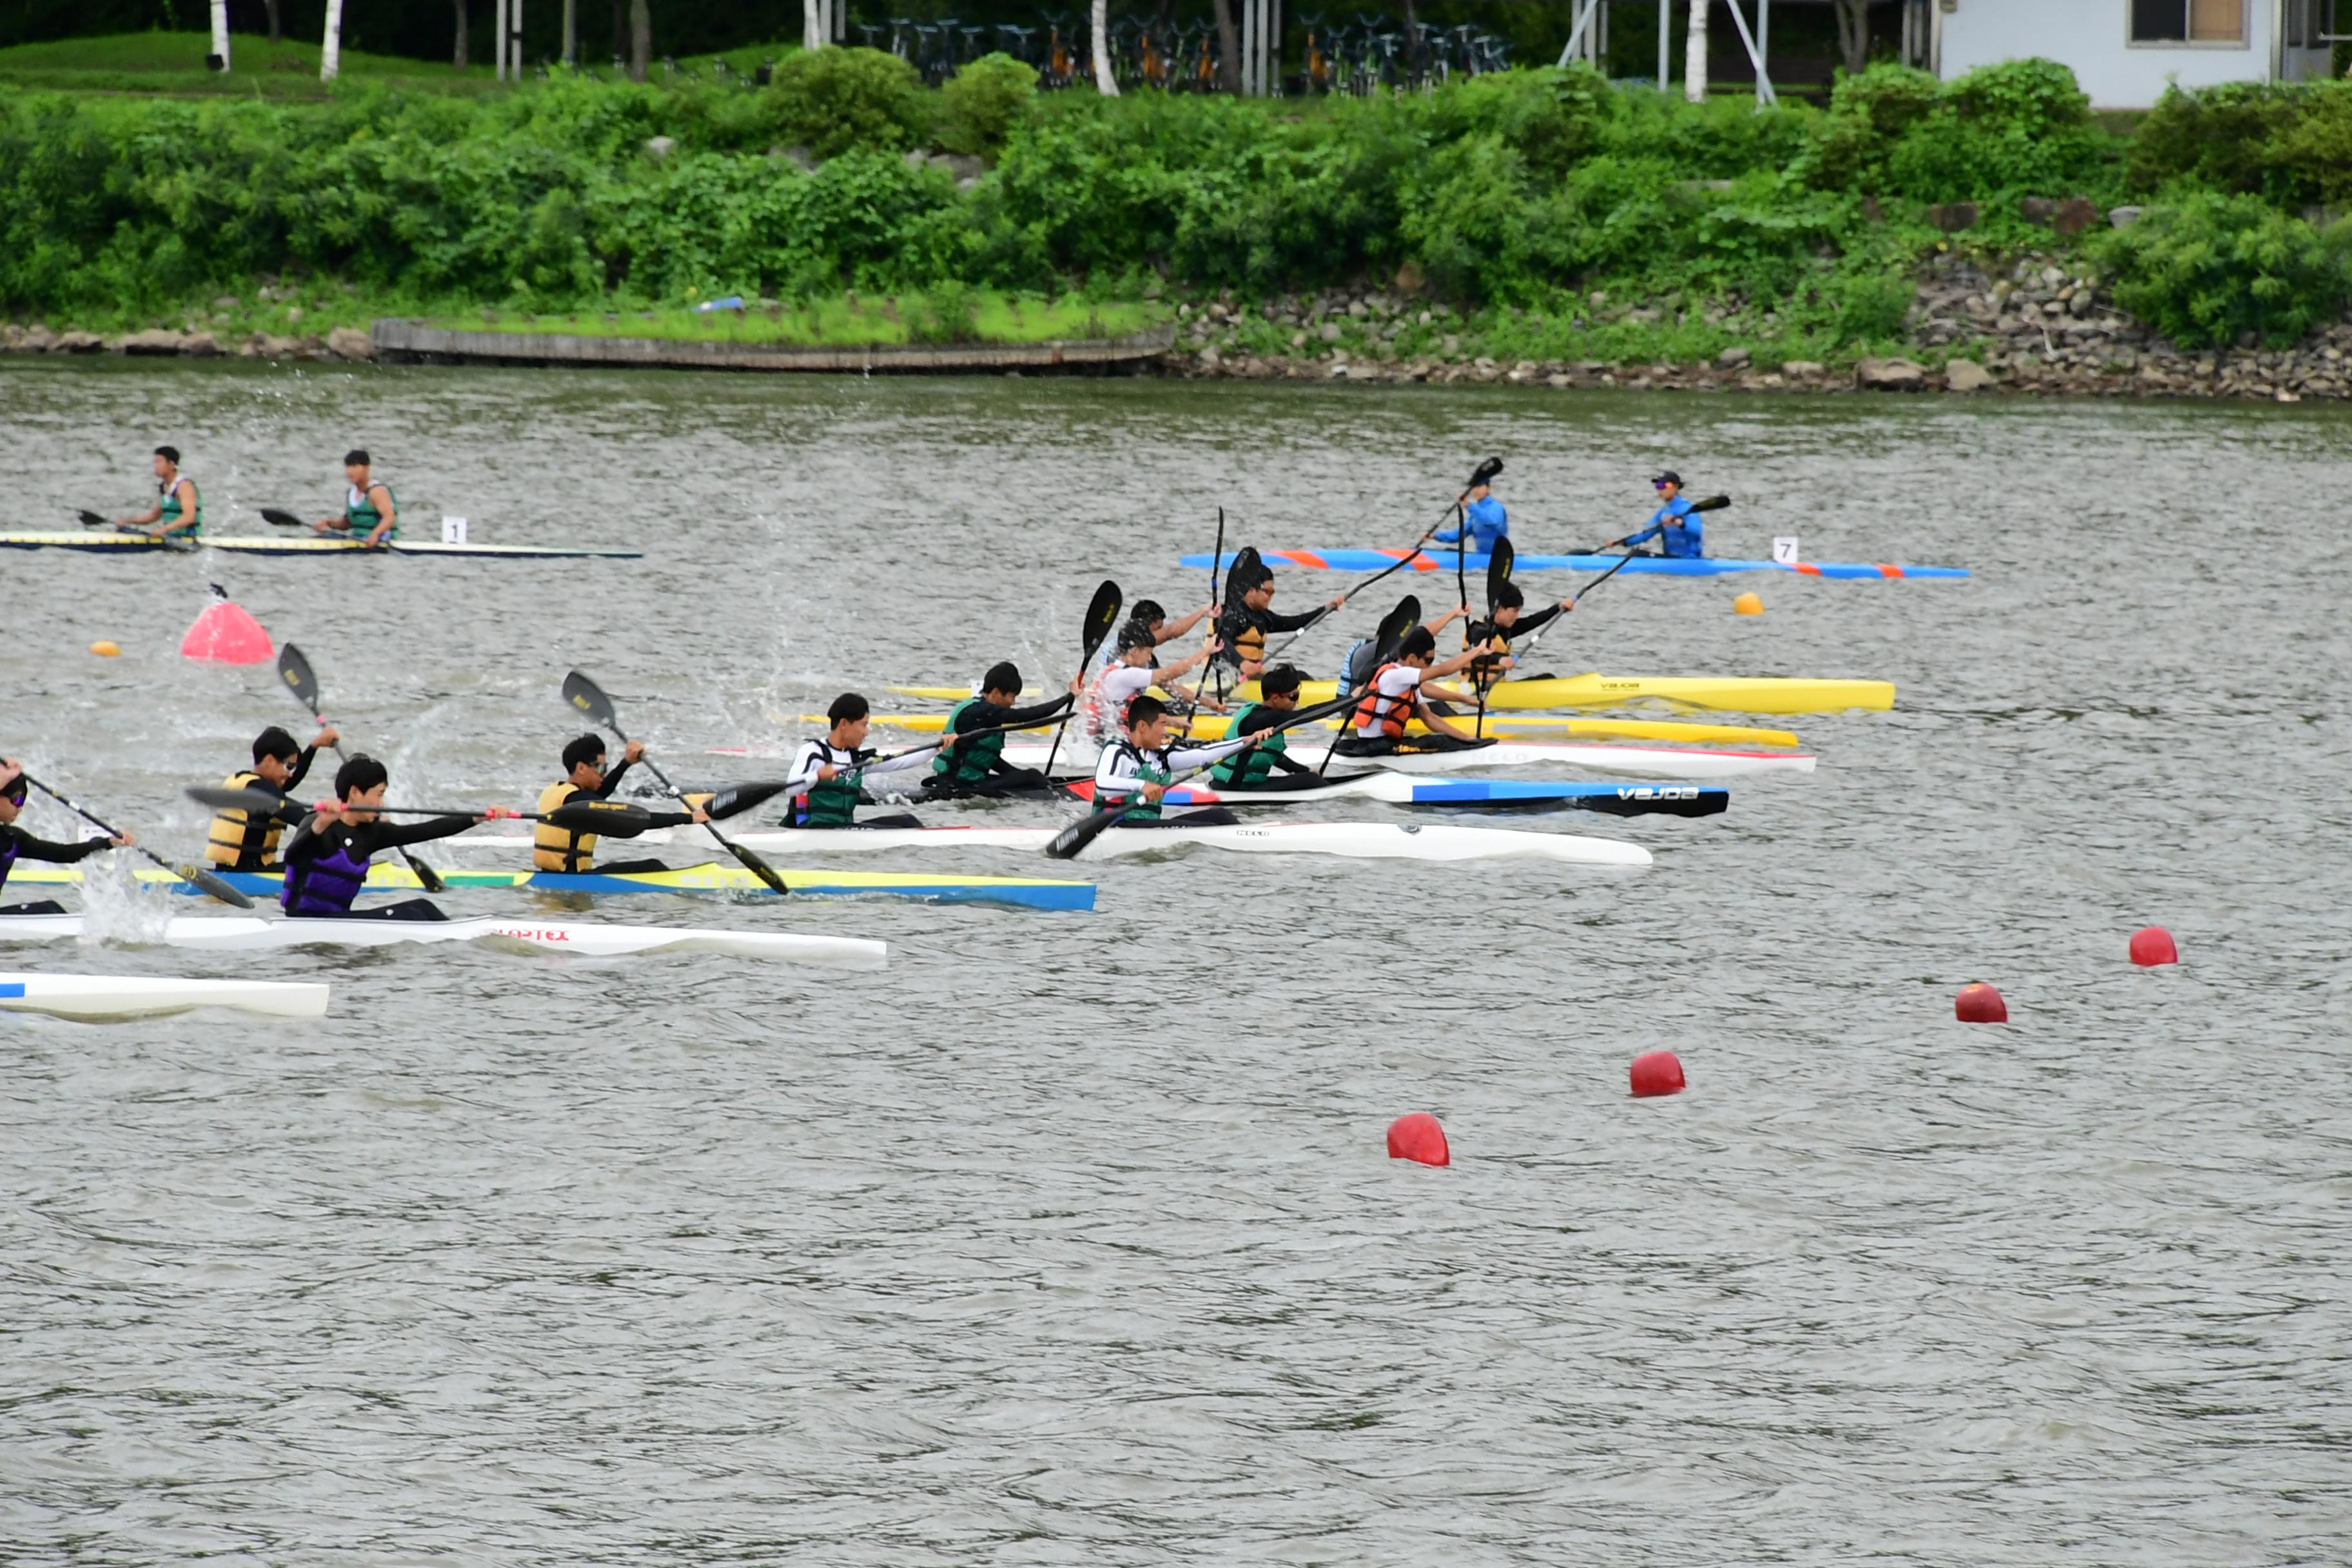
(824, 782)
(1483, 519)
(244, 840)
(1249, 616)
(1134, 673)
(370, 512)
(1139, 768)
(178, 508)
(1402, 692)
(15, 843)
(977, 766)
(1253, 766)
(327, 859)
(572, 852)
(1674, 525)
(1492, 638)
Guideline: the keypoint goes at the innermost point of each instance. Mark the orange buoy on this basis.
(225, 634)
(1747, 605)
(1419, 1137)
(1980, 1004)
(105, 649)
(1656, 1073)
(2152, 945)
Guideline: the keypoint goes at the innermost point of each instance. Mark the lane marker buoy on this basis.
(2152, 945)
(105, 649)
(1980, 1004)
(1747, 605)
(1419, 1137)
(1655, 1073)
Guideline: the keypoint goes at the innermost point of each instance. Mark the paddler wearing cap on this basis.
(15, 843)
(370, 512)
(1484, 520)
(824, 785)
(246, 840)
(178, 508)
(1248, 616)
(1674, 525)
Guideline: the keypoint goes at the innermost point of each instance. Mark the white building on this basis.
(2125, 52)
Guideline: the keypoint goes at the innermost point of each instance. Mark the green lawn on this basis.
(847, 322)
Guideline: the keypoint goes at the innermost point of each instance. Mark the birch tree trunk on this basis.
(1695, 55)
(1853, 34)
(812, 25)
(330, 46)
(571, 34)
(220, 31)
(1104, 82)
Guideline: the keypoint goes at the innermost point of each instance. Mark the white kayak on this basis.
(1628, 762)
(248, 933)
(101, 998)
(1355, 840)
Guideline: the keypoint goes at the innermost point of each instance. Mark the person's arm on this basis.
(1190, 759)
(1175, 629)
(1446, 535)
(1029, 715)
(32, 849)
(187, 510)
(302, 769)
(1527, 625)
(152, 514)
(1112, 779)
(386, 518)
(1299, 622)
(386, 836)
(920, 757)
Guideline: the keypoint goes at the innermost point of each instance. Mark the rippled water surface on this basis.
(1071, 1238)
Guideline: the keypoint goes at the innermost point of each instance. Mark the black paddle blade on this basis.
(753, 863)
(588, 698)
(611, 818)
(294, 671)
(1483, 473)
(1394, 628)
(90, 518)
(213, 886)
(1498, 572)
(1242, 570)
(1071, 840)
(277, 518)
(1102, 614)
(735, 799)
(1712, 504)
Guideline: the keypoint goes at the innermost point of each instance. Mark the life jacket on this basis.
(171, 505)
(360, 514)
(7, 857)
(1149, 772)
(1251, 766)
(1355, 670)
(830, 803)
(972, 759)
(325, 885)
(240, 840)
(1382, 714)
(554, 848)
(1244, 635)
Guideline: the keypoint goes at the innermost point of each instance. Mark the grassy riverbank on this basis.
(949, 314)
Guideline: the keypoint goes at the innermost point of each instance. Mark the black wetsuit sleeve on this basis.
(302, 769)
(32, 849)
(378, 835)
(1029, 715)
(1535, 623)
(1275, 623)
(612, 781)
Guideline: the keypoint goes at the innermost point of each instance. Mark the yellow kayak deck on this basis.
(1682, 693)
(1539, 727)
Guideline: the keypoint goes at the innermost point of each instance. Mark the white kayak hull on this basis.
(246, 933)
(1354, 840)
(95, 998)
(1625, 762)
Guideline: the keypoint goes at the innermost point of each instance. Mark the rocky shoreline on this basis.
(343, 343)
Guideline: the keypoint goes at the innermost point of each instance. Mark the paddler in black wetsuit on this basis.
(327, 859)
(1247, 618)
(15, 843)
(976, 766)
(574, 853)
(1254, 768)
(242, 841)
(1492, 638)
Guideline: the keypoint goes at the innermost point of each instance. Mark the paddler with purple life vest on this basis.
(327, 859)
(15, 843)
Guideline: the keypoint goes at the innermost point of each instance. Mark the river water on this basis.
(1071, 1238)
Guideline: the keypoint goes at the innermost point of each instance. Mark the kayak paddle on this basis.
(1480, 475)
(196, 873)
(1498, 577)
(1712, 504)
(611, 818)
(277, 518)
(296, 672)
(588, 698)
(1215, 556)
(1101, 613)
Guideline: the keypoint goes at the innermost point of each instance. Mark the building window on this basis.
(2189, 21)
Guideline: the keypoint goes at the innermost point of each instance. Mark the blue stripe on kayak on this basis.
(1643, 565)
(14, 988)
(1078, 896)
(1462, 791)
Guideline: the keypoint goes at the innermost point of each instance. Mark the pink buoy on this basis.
(1418, 1137)
(2152, 945)
(1980, 1004)
(1655, 1073)
(225, 634)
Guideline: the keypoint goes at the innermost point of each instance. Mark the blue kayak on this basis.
(1464, 794)
(1651, 566)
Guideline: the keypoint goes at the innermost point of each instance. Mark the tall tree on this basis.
(1229, 48)
(458, 50)
(1853, 34)
(641, 39)
(812, 23)
(271, 6)
(220, 31)
(1695, 55)
(571, 33)
(1105, 83)
(330, 44)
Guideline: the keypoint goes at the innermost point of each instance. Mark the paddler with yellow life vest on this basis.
(178, 508)
(1248, 616)
(248, 841)
(1492, 638)
(825, 783)
(370, 512)
(572, 852)
(972, 763)
(1400, 693)
(1252, 768)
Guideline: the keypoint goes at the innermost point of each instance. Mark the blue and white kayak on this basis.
(114, 998)
(1648, 565)
(1463, 794)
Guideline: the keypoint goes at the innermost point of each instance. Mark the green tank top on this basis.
(971, 760)
(830, 803)
(1149, 773)
(359, 512)
(1246, 768)
(173, 511)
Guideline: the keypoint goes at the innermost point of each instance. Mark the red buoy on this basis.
(1980, 1004)
(2152, 945)
(1656, 1073)
(1418, 1137)
(225, 634)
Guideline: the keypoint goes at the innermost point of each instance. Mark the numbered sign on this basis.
(453, 531)
(1784, 551)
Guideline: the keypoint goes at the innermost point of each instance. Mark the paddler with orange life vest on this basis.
(1248, 617)
(824, 785)
(15, 843)
(178, 508)
(327, 859)
(1400, 693)
(248, 841)
(566, 851)
(370, 512)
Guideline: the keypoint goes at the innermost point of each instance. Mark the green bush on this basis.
(2207, 268)
(2218, 138)
(2313, 153)
(2019, 128)
(983, 104)
(944, 313)
(1869, 114)
(830, 100)
(1550, 117)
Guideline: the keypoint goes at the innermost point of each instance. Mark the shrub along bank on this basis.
(1544, 215)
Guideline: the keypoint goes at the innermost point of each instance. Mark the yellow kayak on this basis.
(1544, 727)
(1728, 693)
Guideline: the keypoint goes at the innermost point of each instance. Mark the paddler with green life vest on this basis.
(1252, 768)
(178, 508)
(248, 841)
(370, 512)
(563, 850)
(969, 764)
(1139, 769)
(825, 783)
